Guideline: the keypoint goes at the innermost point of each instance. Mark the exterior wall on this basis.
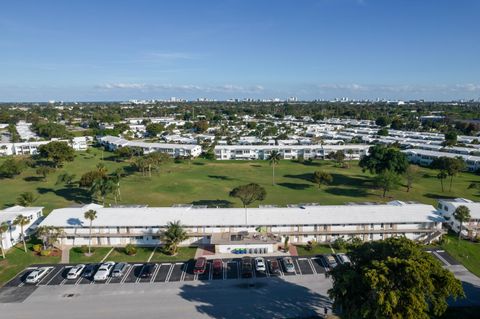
(13, 235)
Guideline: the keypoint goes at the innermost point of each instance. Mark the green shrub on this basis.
(45, 252)
(84, 249)
(130, 249)
(37, 248)
(339, 244)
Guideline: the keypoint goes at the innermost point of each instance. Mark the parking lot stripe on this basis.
(125, 276)
(299, 270)
(63, 282)
(184, 271)
(210, 272)
(151, 255)
(140, 274)
(311, 265)
(225, 265)
(169, 272)
(440, 257)
(108, 280)
(78, 281)
(238, 270)
(108, 254)
(52, 268)
(155, 273)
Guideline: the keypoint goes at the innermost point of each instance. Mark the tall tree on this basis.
(48, 235)
(382, 158)
(103, 187)
(442, 175)
(411, 175)
(449, 166)
(3, 229)
(57, 152)
(248, 194)
(25, 199)
(450, 138)
(387, 181)
(274, 159)
(462, 214)
(322, 178)
(393, 278)
(173, 236)
(90, 215)
(338, 157)
(22, 221)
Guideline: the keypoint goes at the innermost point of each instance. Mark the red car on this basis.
(200, 266)
(217, 267)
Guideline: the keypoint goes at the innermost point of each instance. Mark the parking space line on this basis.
(184, 271)
(155, 273)
(311, 266)
(108, 280)
(299, 269)
(61, 269)
(267, 272)
(125, 276)
(225, 266)
(440, 257)
(78, 281)
(63, 282)
(170, 270)
(238, 270)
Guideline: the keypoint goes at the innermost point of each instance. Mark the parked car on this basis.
(119, 269)
(247, 267)
(104, 271)
(343, 259)
(36, 275)
(260, 264)
(274, 267)
(89, 270)
(217, 267)
(200, 266)
(329, 261)
(288, 264)
(147, 271)
(75, 271)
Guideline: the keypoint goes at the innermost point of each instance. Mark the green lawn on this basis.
(206, 182)
(142, 255)
(317, 250)
(16, 260)
(184, 253)
(466, 252)
(78, 257)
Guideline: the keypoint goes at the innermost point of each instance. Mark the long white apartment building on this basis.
(253, 152)
(471, 228)
(426, 157)
(174, 150)
(31, 148)
(263, 227)
(14, 235)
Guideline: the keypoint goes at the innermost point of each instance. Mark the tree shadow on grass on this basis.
(255, 165)
(33, 179)
(221, 177)
(74, 194)
(213, 203)
(297, 186)
(198, 163)
(438, 196)
(351, 192)
(338, 179)
(272, 298)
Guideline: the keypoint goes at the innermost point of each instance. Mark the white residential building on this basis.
(31, 148)
(302, 223)
(426, 157)
(174, 150)
(471, 228)
(8, 215)
(253, 152)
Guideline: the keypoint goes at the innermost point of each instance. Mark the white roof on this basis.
(442, 154)
(190, 216)
(276, 147)
(10, 213)
(122, 142)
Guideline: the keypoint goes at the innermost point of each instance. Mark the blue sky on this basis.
(313, 49)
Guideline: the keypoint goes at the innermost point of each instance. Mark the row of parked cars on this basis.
(247, 265)
(332, 261)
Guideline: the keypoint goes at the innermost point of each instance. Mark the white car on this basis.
(36, 275)
(75, 272)
(260, 264)
(343, 259)
(104, 271)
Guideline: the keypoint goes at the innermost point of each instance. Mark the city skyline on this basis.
(239, 49)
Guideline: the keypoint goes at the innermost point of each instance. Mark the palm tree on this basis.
(26, 199)
(462, 214)
(173, 236)
(91, 215)
(48, 235)
(3, 229)
(22, 221)
(102, 186)
(274, 159)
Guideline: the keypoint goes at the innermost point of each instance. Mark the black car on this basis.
(147, 271)
(90, 270)
(247, 267)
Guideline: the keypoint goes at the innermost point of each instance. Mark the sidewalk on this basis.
(65, 254)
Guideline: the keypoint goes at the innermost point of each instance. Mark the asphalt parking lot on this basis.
(16, 290)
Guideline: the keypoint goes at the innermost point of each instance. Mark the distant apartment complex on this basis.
(31, 148)
(251, 152)
(426, 157)
(175, 150)
(263, 227)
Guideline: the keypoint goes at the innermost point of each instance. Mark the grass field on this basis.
(206, 182)
(316, 250)
(17, 259)
(466, 252)
(142, 255)
(78, 257)
(184, 253)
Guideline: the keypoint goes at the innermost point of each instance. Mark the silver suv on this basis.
(119, 269)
